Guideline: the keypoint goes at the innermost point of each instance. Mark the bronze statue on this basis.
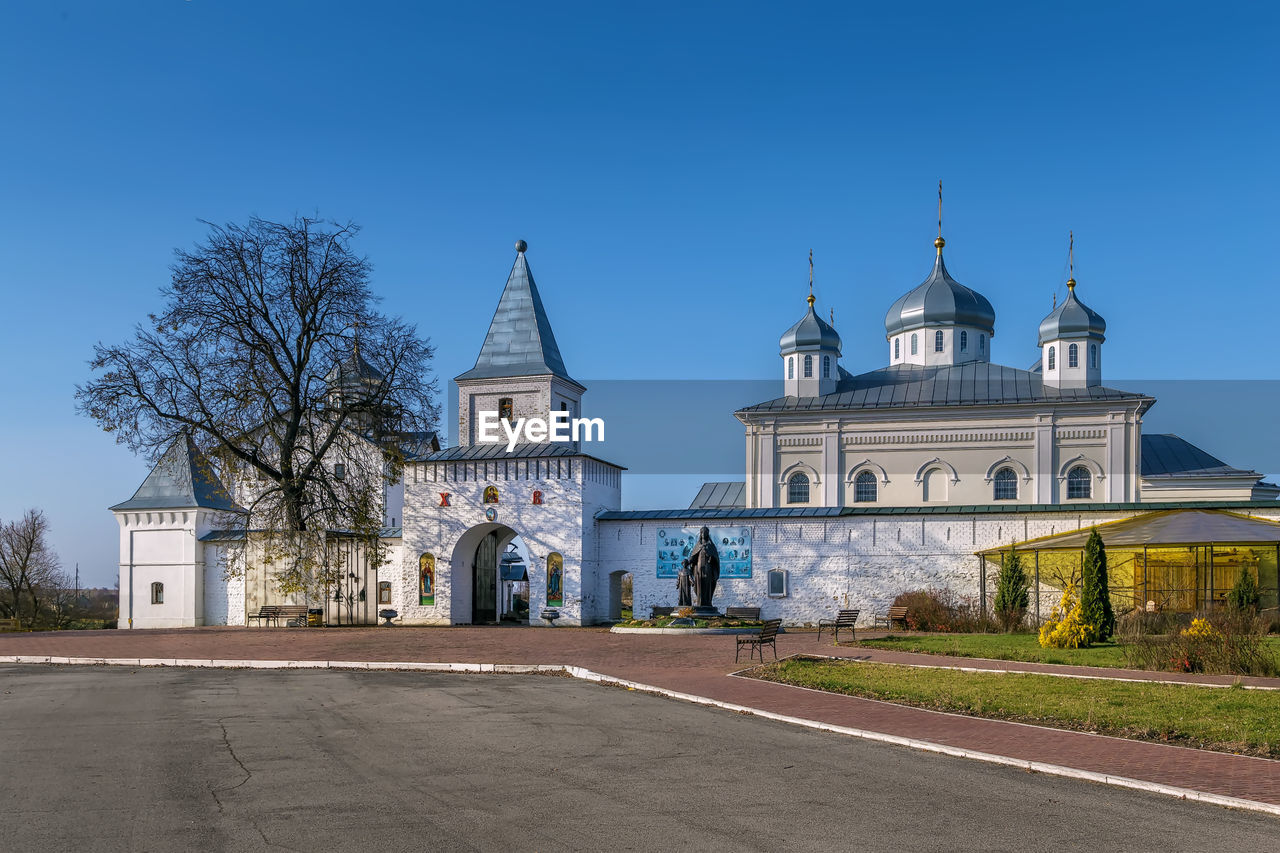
(703, 564)
(684, 588)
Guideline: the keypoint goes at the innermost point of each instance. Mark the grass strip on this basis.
(1022, 647)
(1228, 719)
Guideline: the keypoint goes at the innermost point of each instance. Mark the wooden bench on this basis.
(742, 613)
(766, 636)
(271, 614)
(8, 624)
(661, 611)
(895, 614)
(847, 619)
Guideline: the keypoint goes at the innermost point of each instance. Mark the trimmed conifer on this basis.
(1012, 591)
(1095, 596)
(1244, 595)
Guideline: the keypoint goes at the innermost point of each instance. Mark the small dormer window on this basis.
(1053, 357)
(808, 367)
(791, 368)
(1093, 356)
(897, 348)
(914, 345)
(1073, 356)
(937, 341)
(826, 367)
(964, 341)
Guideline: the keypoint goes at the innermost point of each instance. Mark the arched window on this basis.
(914, 348)
(826, 367)
(808, 367)
(897, 348)
(1073, 356)
(935, 485)
(555, 580)
(964, 341)
(937, 341)
(1079, 483)
(982, 344)
(864, 487)
(427, 579)
(157, 593)
(1006, 485)
(798, 488)
(1093, 356)
(791, 368)
(1053, 358)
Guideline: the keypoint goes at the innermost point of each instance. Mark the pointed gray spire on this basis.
(182, 479)
(520, 341)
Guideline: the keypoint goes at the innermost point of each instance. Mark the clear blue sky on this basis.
(670, 166)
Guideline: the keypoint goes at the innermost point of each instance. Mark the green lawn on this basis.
(1228, 719)
(1000, 647)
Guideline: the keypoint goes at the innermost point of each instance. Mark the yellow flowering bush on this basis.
(1201, 629)
(1065, 628)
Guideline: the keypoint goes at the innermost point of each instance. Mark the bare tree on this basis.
(269, 354)
(29, 568)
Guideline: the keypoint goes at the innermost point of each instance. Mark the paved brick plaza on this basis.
(699, 665)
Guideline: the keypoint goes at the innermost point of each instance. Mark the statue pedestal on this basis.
(707, 612)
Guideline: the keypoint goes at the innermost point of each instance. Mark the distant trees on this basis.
(268, 352)
(32, 577)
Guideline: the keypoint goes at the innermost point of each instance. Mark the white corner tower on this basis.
(1071, 339)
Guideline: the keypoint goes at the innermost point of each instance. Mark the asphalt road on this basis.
(170, 759)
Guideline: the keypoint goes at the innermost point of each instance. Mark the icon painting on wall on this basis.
(555, 580)
(733, 543)
(427, 579)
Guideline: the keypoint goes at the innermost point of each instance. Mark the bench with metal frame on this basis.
(847, 619)
(273, 613)
(766, 636)
(742, 613)
(895, 614)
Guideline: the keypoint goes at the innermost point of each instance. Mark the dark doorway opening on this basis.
(484, 581)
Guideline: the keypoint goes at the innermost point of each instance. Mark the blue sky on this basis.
(670, 166)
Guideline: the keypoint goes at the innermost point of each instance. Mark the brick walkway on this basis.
(698, 665)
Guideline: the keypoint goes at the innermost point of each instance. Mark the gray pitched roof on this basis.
(940, 301)
(977, 383)
(520, 341)
(498, 451)
(720, 496)
(1072, 319)
(182, 479)
(1166, 455)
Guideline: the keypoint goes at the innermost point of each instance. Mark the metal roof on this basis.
(1177, 527)
(975, 383)
(1167, 455)
(520, 341)
(810, 331)
(237, 534)
(721, 496)
(968, 509)
(497, 450)
(940, 301)
(182, 479)
(1072, 319)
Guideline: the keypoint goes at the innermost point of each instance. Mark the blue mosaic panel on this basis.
(733, 543)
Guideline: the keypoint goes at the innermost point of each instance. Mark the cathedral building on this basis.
(857, 486)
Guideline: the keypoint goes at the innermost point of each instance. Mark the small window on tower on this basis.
(826, 367)
(914, 345)
(1053, 357)
(937, 341)
(897, 348)
(982, 344)
(791, 368)
(964, 341)
(1073, 356)
(1093, 356)
(505, 409)
(808, 367)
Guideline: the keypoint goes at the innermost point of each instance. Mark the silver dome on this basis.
(940, 301)
(811, 331)
(1072, 319)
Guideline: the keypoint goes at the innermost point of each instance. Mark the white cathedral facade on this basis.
(856, 487)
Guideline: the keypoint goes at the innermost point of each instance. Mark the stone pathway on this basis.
(699, 665)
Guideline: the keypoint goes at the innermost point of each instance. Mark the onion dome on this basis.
(810, 333)
(940, 301)
(1072, 319)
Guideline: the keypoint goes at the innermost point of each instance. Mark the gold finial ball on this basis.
(521, 246)
(939, 243)
(810, 300)
(1071, 284)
